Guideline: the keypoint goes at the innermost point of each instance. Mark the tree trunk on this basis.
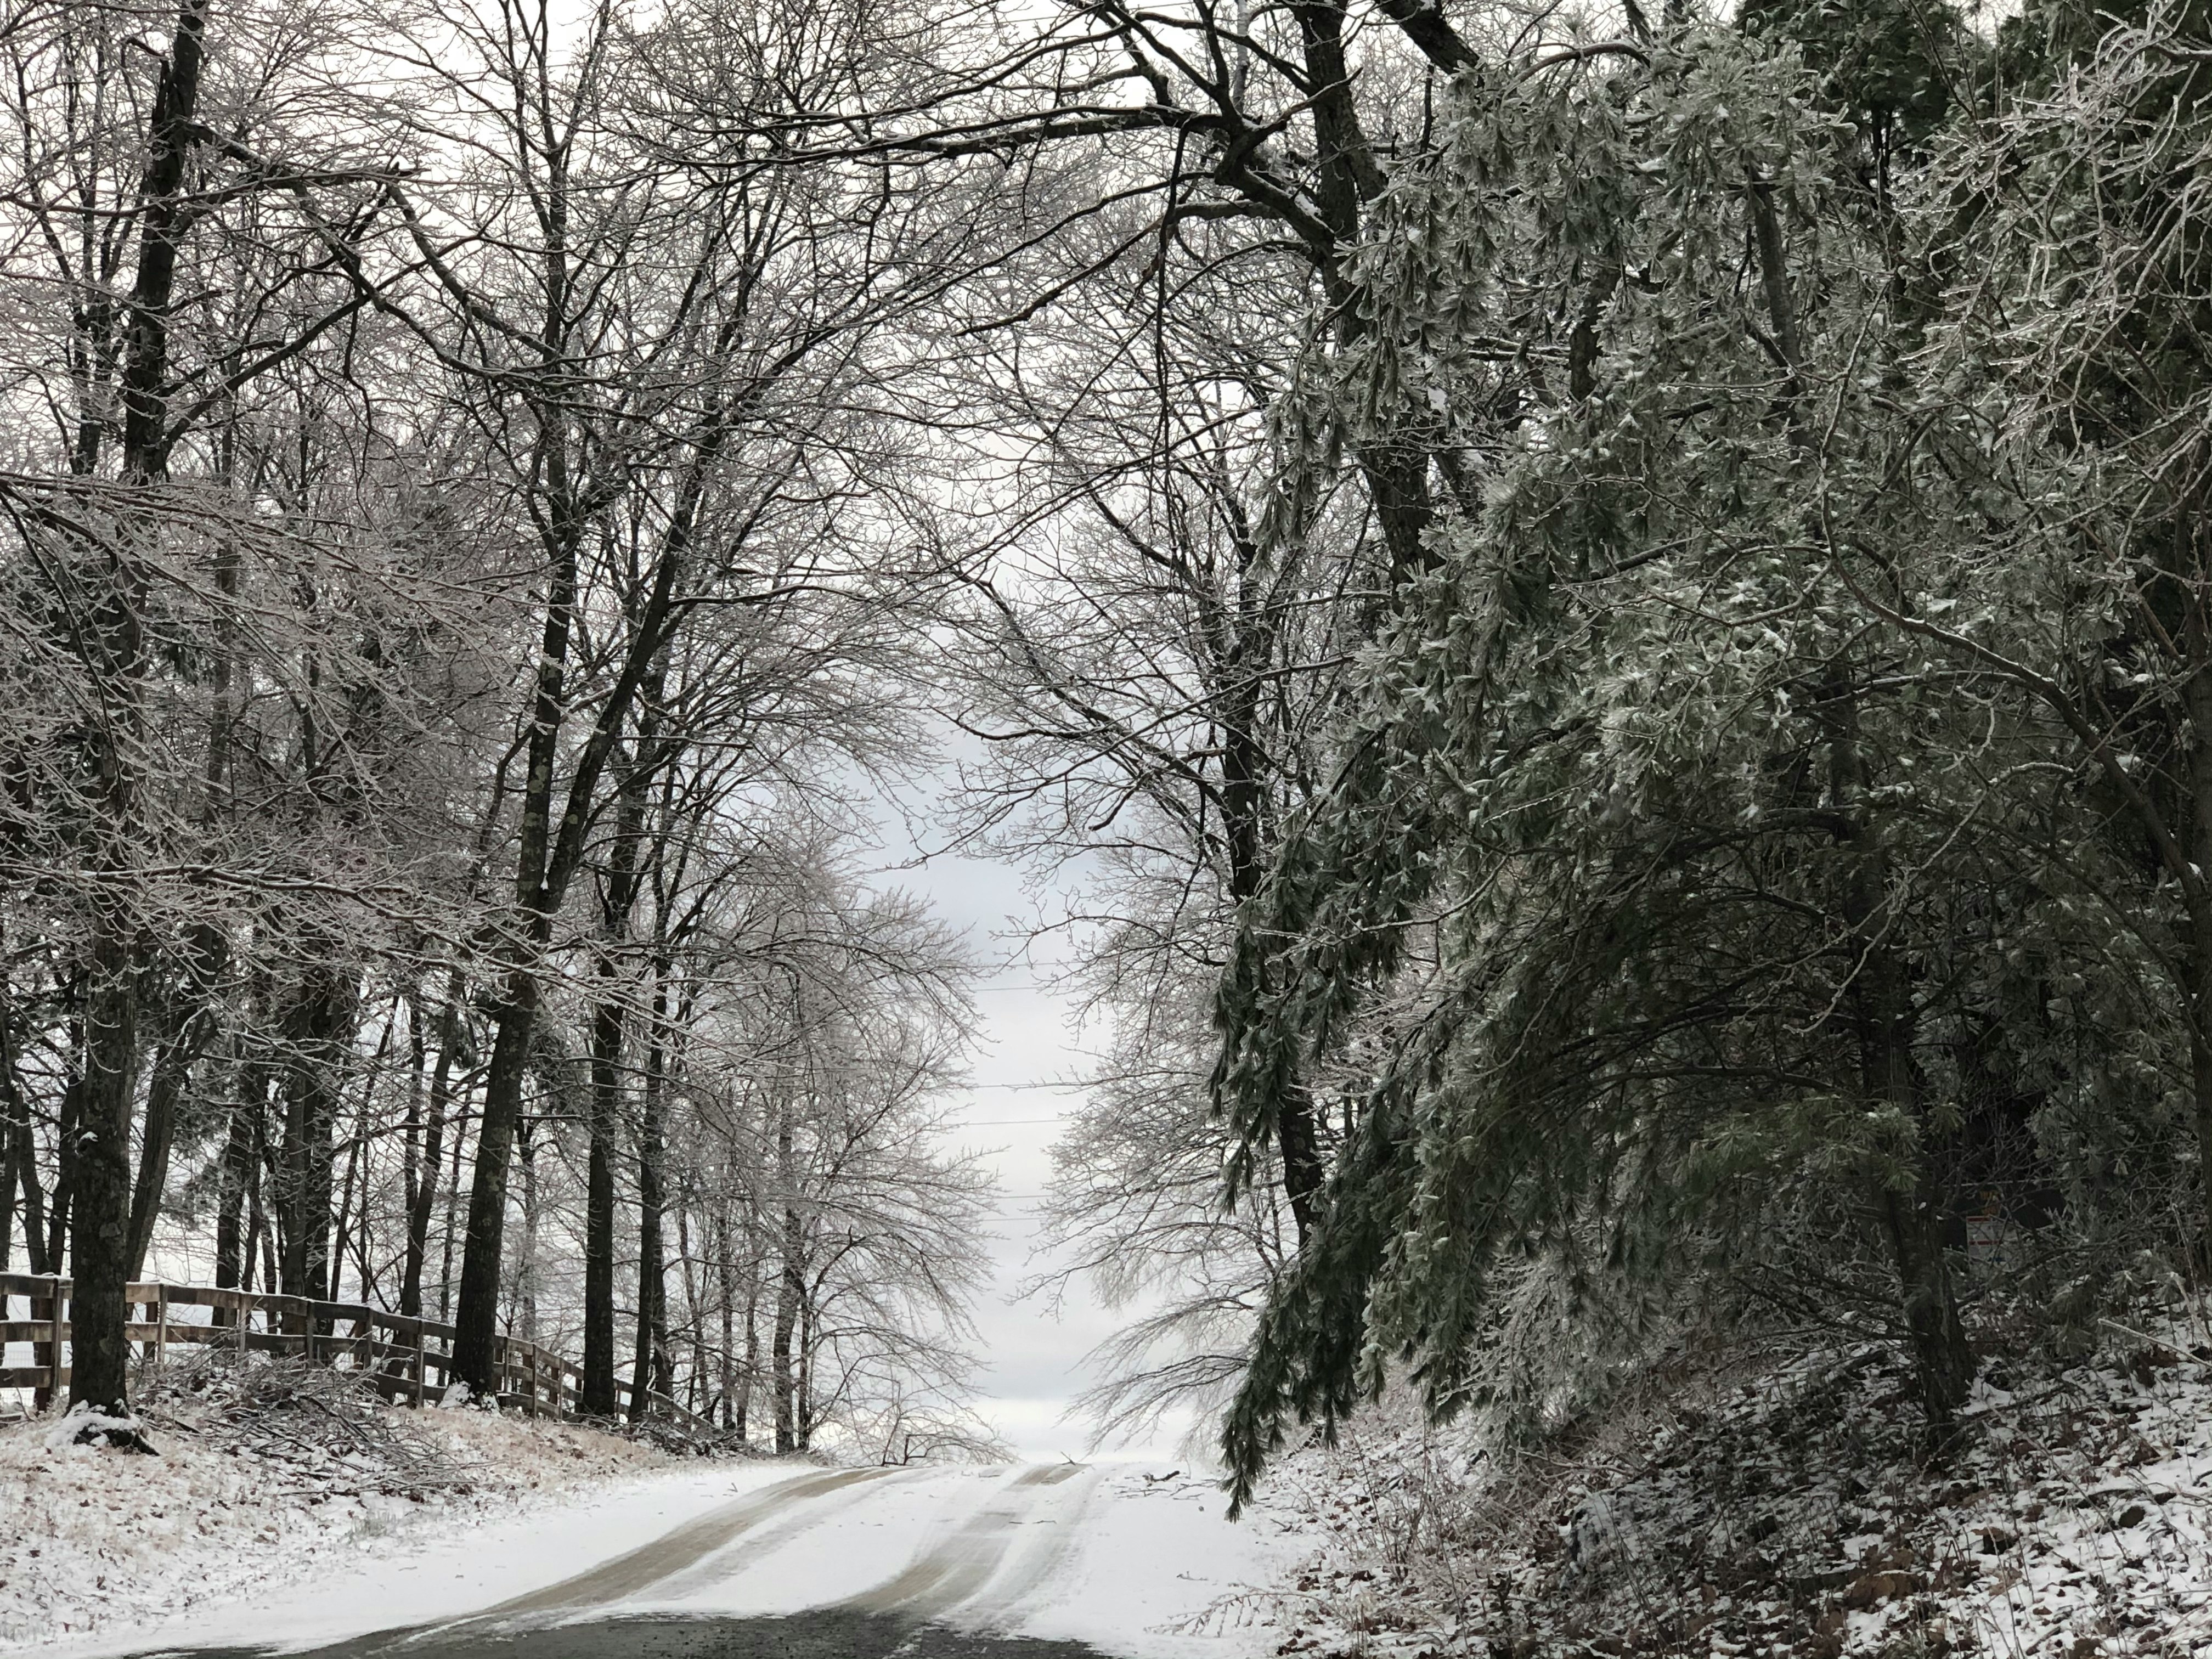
(425, 1197)
(172, 1072)
(742, 1426)
(599, 1395)
(67, 1119)
(36, 1255)
(803, 1398)
(2198, 993)
(154, 1138)
(476, 1322)
(1393, 460)
(259, 1247)
(727, 1288)
(351, 1218)
(353, 1223)
(7, 1203)
(25, 1155)
(189, 1026)
(790, 1291)
(99, 1226)
(452, 1199)
(231, 1247)
(413, 1179)
(652, 1264)
(19, 1150)
(1880, 1001)
(1881, 987)
(525, 1271)
(791, 1283)
(619, 898)
(319, 1026)
(686, 1269)
(1243, 651)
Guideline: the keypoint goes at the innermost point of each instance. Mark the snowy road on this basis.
(843, 1564)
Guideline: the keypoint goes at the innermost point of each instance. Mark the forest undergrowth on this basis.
(1747, 1506)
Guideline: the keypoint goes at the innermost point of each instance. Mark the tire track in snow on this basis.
(1009, 1593)
(950, 1574)
(649, 1565)
(772, 1536)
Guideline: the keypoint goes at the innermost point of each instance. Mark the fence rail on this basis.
(402, 1358)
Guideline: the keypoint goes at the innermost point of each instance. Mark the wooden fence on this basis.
(402, 1358)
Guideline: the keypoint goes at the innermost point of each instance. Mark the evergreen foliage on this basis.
(1766, 831)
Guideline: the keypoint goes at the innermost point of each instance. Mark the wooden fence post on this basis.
(42, 1354)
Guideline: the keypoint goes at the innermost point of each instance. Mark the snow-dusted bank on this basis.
(1800, 1509)
(101, 1540)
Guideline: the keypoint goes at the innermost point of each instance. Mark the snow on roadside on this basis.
(239, 1502)
(1798, 1513)
(1157, 1570)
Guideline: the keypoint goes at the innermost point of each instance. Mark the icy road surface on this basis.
(752, 1559)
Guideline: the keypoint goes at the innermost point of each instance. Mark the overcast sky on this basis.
(1027, 1051)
